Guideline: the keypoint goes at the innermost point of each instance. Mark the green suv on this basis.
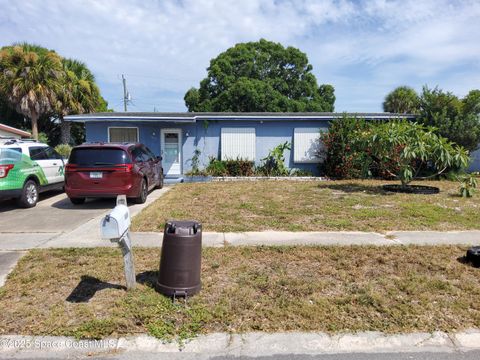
(27, 168)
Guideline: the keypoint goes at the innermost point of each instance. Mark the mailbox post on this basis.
(115, 227)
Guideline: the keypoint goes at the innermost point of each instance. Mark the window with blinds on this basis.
(123, 134)
(238, 143)
(306, 145)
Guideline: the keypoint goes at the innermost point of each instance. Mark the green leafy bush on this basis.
(391, 150)
(274, 163)
(345, 149)
(43, 138)
(216, 167)
(417, 151)
(195, 161)
(468, 184)
(64, 150)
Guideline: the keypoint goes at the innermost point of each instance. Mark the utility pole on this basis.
(125, 93)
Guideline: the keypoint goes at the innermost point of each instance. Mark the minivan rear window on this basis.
(92, 157)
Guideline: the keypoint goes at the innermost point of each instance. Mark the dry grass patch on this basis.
(311, 206)
(333, 289)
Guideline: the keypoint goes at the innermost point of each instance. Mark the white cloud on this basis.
(363, 48)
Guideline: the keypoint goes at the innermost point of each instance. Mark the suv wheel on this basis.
(142, 197)
(29, 197)
(77, 201)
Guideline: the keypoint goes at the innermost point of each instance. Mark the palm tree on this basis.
(30, 79)
(402, 100)
(79, 94)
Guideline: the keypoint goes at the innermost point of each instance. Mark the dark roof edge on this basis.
(193, 117)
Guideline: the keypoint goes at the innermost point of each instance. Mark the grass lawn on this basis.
(332, 289)
(311, 206)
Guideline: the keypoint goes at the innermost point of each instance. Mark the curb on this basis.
(253, 344)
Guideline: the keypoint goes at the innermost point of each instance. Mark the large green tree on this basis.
(80, 94)
(402, 100)
(30, 79)
(260, 76)
(456, 119)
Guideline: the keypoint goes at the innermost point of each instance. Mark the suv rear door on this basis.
(50, 162)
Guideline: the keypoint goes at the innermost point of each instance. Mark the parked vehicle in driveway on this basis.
(99, 170)
(27, 168)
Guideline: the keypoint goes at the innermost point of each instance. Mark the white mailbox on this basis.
(116, 224)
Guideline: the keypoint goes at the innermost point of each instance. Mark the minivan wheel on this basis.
(29, 197)
(160, 182)
(77, 201)
(142, 197)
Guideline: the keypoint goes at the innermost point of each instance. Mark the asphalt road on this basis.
(53, 213)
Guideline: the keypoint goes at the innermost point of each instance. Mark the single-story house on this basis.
(251, 136)
(8, 132)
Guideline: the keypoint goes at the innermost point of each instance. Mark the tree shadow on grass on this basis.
(356, 188)
(87, 288)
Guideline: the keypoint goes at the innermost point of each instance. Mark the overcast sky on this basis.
(363, 48)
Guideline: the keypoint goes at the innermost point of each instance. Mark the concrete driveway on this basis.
(53, 213)
(55, 219)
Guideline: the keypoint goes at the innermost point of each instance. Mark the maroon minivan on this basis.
(97, 170)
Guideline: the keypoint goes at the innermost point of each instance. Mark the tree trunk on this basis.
(34, 120)
(65, 128)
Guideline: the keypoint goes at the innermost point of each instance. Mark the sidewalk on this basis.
(88, 236)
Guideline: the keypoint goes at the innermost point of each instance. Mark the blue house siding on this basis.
(475, 165)
(207, 138)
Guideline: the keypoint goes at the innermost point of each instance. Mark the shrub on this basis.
(216, 167)
(230, 167)
(195, 161)
(417, 151)
(345, 149)
(468, 184)
(64, 150)
(43, 138)
(274, 163)
(393, 150)
(240, 167)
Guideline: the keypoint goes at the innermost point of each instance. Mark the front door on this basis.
(171, 145)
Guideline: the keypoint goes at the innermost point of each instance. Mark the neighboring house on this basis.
(251, 136)
(8, 132)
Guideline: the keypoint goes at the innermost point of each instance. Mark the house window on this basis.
(238, 143)
(306, 142)
(123, 134)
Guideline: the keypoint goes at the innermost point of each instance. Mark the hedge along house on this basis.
(250, 136)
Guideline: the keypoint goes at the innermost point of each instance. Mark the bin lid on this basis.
(182, 227)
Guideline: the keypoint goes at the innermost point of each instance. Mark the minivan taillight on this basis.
(124, 168)
(70, 167)
(4, 169)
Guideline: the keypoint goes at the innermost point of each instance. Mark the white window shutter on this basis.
(238, 143)
(306, 142)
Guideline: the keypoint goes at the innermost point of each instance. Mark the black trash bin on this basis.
(181, 259)
(473, 256)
